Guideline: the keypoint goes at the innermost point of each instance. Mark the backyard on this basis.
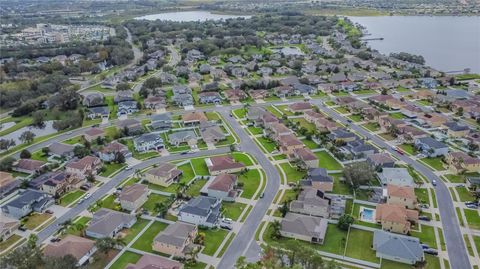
(291, 173)
(250, 181)
(213, 239)
(327, 161)
(144, 242)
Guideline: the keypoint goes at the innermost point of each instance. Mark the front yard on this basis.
(35, 220)
(70, 197)
(233, 210)
(268, 144)
(126, 258)
(110, 168)
(372, 126)
(436, 163)
(473, 219)
(243, 158)
(291, 173)
(251, 182)
(213, 239)
(409, 148)
(200, 167)
(153, 198)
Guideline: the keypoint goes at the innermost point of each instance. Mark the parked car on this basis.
(54, 239)
(424, 206)
(226, 226)
(472, 206)
(424, 218)
(262, 195)
(21, 228)
(434, 182)
(49, 211)
(128, 167)
(431, 251)
(425, 246)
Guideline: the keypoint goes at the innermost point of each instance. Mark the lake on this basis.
(185, 16)
(448, 43)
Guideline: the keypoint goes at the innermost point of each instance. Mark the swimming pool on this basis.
(367, 214)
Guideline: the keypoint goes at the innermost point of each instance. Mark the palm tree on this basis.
(276, 226)
(161, 208)
(80, 227)
(193, 254)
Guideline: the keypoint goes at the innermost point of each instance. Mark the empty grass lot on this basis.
(251, 182)
(268, 144)
(70, 197)
(135, 230)
(194, 188)
(473, 219)
(126, 258)
(109, 202)
(335, 240)
(111, 168)
(213, 239)
(292, 174)
(372, 126)
(359, 245)
(436, 163)
(243, 158)
(233, 210)
(327, 161)
(144, 242)
(464, 194)
(200, 167)
(35, 220)
(154, 198)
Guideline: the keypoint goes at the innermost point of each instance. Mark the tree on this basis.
(45, 150)
(345, 221)
(5, 144)
(284, 209)
(6, 164)
(32, 241)
(80, 151)
(25, 154)
(106, 244)
(27, 137)
(22, 257)
(64, 262)
(161, 208)
(90, 177)
(119, 157)
(38, 118)
(276, 226)
(123, 87)
(460, 111)
(359, 173)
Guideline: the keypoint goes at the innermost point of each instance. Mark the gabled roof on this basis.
(105, 221)
(395, 245)
(304, 225)
(432, 143)
(401, 191)
(133, 192)
(148, 261)
(94, 131)
(223, 182)
(175, 234)
(164, 170)
(219, 163)
(194, 116)
(29, 164)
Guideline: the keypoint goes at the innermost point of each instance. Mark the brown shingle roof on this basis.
(70, 245)
(94, 131)
(219, 163)
(29, 164)
(133, 192)
(194, 116)
(400, 191)
(223, 182)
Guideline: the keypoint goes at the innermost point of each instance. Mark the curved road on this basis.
(457, 251)
(246, 236)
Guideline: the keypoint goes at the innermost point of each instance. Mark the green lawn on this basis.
(288, 195)
(212, 115)
(10, 241)
(464, 194)
(409, 148)
(240, 112)
(188, 173)
(268, 144)
(427, 235)
(341, 93)
(335, 240)
(473, 219)
(285, 110)
(194, 188)
(243, 158)
(34, 220)
(372, 126)
(387, 136)
(422, 195)
(310, 144)
(109, 202)
(200, 167)
(39, 156)
(433, 262)
(436, 163)
(341, 110)
(111, 168)
(274, 111)
(255, 130)
(476, 239)
(456, 178)
(233, 210)
(397, 115)
(251, 182)
(135, 230)
(327, 161)
(356, 117)
(303, 123)
(126, 258)
(153, 198)
(225, 246)
(74, 140)
(359, 245)
(292, 174)
(366, 91)
(213, 239)
(341, 187)
(144, 242)
(330, 103)
(386, 264)
(70, 197)
(80, 221)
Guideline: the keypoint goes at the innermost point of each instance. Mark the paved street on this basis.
(453, 237)
(104, 189)
(246, 235)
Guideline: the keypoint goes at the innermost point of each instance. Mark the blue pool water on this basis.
(367, 214)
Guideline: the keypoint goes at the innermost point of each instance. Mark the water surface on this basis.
(448, 43)
(184, 16)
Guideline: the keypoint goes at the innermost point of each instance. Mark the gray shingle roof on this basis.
(396, 245)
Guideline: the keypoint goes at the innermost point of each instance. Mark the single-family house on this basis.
(155, 102)
(194, 117)
(122, 96)
(209, 98)
(78, 247)
(235, 95)
(211, 132)
(133, 197)
(397, 248)
(318, 178)
(401, 195)
(459, 162)
(455, 130)
(300, 107)
(107, 223)
(472, 182)
(88, 165)
(223, 164)
(201, 210)
(93, 99)
(176, 239)
(148, 261)
(98, 112)
(306, 228)
(27, 202)
(127, 107)
(61, 150)
(396, 176)
(311, 202)
(383, 160)
(110, 151)
(28, 166)
(164, 174)
(181, 137)
(395, 218)
(161, 121)
(223, 187)
(7, 227)
(93, 133)
(306, 157)
(8, 184)
(132, 126)
(288, 143)
(431, 147)
(149, 141)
